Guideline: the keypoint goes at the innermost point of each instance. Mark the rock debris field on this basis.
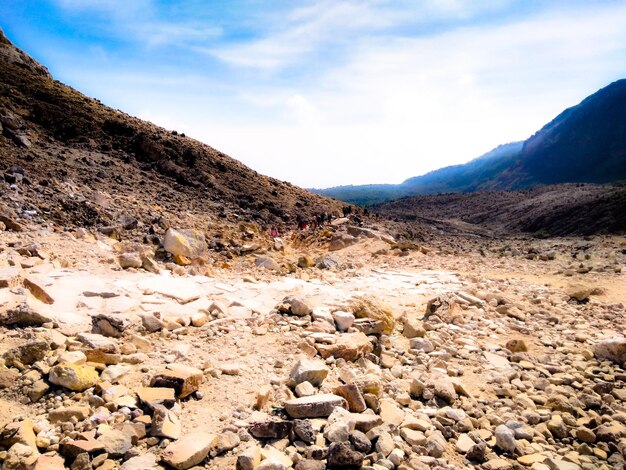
(458, 353)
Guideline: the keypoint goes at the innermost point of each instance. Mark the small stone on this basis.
(341, 455)
(348, 346)
(464, 443)
(313, 371)
(413, 328)
(153, 396)
(304, 389)
(116, 443)
(249, 459)
(61, 415)
(184, 380)
(352, 394)
(315, 406)
(516, 345)
(165, 423)
(505, 438)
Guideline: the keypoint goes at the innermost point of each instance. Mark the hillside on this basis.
(557, 210)
(583, 144)
(74, 161)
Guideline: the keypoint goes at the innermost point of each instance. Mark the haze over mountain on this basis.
(585, 143)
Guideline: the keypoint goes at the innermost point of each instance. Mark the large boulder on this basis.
(184, 242)
(612, 349)
(76, 377)
(371, 307)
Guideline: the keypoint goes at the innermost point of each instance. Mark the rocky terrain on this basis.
(559, 210)
(149, 319)
(335, 349)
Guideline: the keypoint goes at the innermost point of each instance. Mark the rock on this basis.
(444, 389)
(341, 241)
(116, 443)
(183, 379)
(610, 432)
(153, 396)
(141, 462)
(20, 457)
(76, 377)
(585, 435)
(343, 320)
(23, 315)
(189, 451)
(249, 459)
(27, 354)
(326, 262)
(579, 292)
(294, 306)
(310, 464)
(50, 462)
(353, 396)
(18, 432)
(188, 243)
(612, 349)
(97, 341)
(114, 372)
(313, 371)
(61, 415)
(422, 344)
(264, 396)
(371, 307)
(271, 429)
(38, 292)
(413, 328)
(9, 276)
(315, 406)
(151, 323)
(130, 260)
(464, 443)
(199, 319)
(305, 261)
(37, 390)
(110, 325)
(348, 346)
(226, 441)
(360, 442)
(303, 429)
(445, 309)
(341, 455)
(505, 438)
(516, 345)
(266, 262)
(8, 377)
(384, 443)
(390, 412)
(165, 423)
(304, 389)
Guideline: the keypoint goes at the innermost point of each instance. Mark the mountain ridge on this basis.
(585, 143)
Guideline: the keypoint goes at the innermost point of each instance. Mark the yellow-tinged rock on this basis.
(76, 377)
(187, 243)
(371, 307)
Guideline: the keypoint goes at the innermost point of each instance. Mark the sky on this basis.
(331, 92)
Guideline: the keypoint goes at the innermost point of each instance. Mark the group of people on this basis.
(318, 220)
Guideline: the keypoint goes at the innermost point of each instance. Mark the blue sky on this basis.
(322, 93)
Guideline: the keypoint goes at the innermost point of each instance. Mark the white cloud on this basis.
(368, 103)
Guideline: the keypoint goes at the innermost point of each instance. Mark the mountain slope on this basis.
(73, 160)
(555, 210)
(585, 143)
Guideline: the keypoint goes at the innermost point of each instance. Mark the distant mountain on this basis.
(584, 144)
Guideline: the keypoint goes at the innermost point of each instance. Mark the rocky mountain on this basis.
(555, 210)
(584, 144)
(70, 159)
